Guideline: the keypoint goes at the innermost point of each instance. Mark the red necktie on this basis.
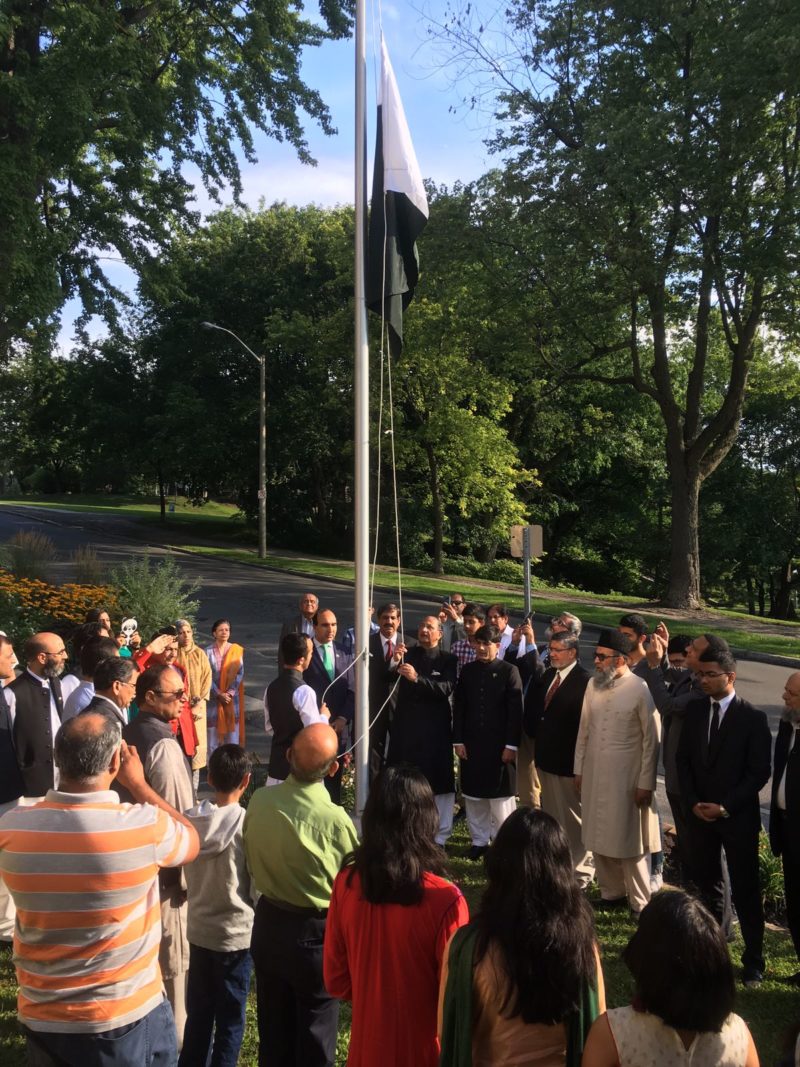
(551, 692)
(389, 651)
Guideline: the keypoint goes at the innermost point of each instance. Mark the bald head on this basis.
(45, 654)
(313, 752)
(86, 750)
(791, 698)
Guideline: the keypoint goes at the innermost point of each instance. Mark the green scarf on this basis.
(457, 1010)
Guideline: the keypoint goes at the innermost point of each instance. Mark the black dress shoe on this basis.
(477, 852)
(751, 977)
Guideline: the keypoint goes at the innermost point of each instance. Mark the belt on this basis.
(295, 909)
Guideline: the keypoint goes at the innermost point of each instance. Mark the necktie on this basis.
(389, 651)
(551, 692)
(327, 659)
(714, 723)
(55, 689)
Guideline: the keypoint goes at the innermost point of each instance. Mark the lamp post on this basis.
(262, 437)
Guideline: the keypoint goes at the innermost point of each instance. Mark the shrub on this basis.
(770, 871)
(29, 554)
(88, 568)
(155, 593)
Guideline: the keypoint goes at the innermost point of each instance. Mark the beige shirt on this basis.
(616, 754)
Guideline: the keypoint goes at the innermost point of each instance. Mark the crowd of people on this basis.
(139, 909)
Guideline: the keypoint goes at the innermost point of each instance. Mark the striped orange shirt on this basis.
(83, 871)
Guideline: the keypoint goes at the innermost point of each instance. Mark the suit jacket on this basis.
(421, 731)
(104, 706)
(341, 697)
(11, 783)
(778, 826)
(530, 665)
(487, 717)
(733, 769)
(555, 730)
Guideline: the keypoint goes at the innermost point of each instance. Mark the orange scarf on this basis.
(226, 716)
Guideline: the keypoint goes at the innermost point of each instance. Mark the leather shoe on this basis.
(751, 978)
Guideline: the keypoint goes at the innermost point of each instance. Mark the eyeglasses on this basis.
(171, 694)
(606, 655)
(458, 603)
(712, 674)
(61, 652)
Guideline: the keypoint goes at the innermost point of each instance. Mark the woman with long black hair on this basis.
(522, 983)
(392, 912)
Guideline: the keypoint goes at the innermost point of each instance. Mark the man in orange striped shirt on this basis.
(83, 871)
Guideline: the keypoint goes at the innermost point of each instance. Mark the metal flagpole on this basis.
(361, 753)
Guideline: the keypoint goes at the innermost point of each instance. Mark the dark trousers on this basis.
(790, 857)
(150, 1042)
(297, 1020)
(216, 998)
(706, 842)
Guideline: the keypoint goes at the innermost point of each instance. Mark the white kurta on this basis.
(617, 753)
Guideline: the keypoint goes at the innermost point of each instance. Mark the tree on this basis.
(102, 105)
(653, 178)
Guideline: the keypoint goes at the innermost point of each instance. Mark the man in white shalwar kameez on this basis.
(616, 757)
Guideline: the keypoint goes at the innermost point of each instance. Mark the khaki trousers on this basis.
(528, 788)
(560, 799)
(629, 878)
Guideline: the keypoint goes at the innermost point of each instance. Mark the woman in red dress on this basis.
(391, 914)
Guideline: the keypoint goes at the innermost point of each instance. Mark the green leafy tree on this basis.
(653, 183)
(154, 592)
(102, 106)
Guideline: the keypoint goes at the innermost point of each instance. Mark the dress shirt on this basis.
(723, 707)
(79, 698)
(505, 640)
(307, 627)
(295, 839)
(561, 674)
(304, 702)
(385, 643)
(780, 796)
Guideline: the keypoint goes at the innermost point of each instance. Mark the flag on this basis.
(398, 212)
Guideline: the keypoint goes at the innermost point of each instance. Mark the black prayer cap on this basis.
(615, 640)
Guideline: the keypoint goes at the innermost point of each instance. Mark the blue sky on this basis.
(448, 137)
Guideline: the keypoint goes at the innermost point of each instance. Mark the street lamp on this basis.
(262, 438)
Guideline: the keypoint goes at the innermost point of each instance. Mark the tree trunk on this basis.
(751, 596)
(683, 590)
(783, 593)
(162, 495)
(438, 515)
(761, 597)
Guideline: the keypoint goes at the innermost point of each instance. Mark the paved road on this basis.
(258, 600)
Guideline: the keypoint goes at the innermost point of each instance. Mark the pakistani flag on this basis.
(398, 212)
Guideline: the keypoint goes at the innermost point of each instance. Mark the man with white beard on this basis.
(616, 758)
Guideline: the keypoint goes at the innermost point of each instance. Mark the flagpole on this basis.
(361, 753)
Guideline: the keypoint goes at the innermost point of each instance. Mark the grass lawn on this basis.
(769, 1010)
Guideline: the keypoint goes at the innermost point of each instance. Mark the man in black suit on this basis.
(11, 785)
(723, 761)
(553, 705)
(421, 731)
(114, 688)
(383, 679)
(329, 677)
(784, 815)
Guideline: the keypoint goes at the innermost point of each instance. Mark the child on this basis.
(220, 918)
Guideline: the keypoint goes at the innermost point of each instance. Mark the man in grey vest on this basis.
(160, 697)
(290, 703)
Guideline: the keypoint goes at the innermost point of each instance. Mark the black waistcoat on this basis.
(144, 733)
(33, 734)
(285, 720)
